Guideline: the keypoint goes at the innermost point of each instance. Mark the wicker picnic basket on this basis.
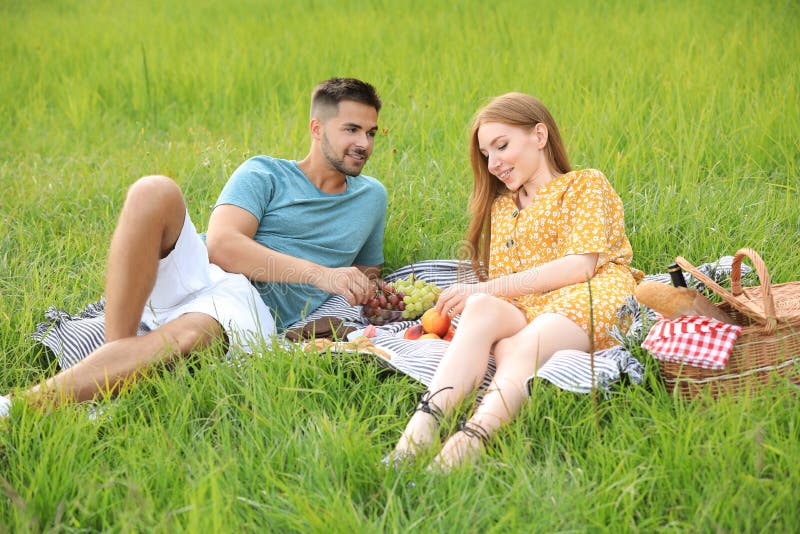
(769, 344)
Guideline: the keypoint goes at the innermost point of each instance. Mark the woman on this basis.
(547, 234)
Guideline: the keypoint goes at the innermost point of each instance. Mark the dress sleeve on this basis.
(591, 217)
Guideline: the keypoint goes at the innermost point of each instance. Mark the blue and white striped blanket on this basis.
(72, 337)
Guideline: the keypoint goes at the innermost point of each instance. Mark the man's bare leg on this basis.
(149, 225)
(114, 363)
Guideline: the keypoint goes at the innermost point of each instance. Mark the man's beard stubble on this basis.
(338, 163)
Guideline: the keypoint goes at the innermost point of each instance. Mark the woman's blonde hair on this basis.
(513, 109)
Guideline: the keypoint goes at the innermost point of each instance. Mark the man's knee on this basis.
(155, 192)
(191, 332)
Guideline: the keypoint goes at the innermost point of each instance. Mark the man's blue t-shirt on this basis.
(298, 219)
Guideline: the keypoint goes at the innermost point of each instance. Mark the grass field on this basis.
(690, 108)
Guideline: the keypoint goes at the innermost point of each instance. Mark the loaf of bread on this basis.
(673, 302)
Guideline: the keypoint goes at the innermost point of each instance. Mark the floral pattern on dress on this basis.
(575, 213)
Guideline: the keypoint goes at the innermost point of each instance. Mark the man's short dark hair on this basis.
(327, 95)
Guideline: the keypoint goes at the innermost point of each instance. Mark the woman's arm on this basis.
(553, 275)
(556, 274)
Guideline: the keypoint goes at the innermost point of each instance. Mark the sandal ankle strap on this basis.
(426, 406)
(474, 430)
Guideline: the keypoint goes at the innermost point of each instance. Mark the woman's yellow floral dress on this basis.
(575, 213)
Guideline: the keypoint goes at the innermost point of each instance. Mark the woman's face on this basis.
(515, 155)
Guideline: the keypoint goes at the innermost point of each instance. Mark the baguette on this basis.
(673, 302)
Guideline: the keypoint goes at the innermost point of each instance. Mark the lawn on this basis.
(689, 108)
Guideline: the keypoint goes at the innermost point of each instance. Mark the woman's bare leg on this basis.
(485, 319)
(517, 357)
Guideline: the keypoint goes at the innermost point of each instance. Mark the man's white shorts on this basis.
(186, 282)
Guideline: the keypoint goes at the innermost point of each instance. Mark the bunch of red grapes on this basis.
(385, 306)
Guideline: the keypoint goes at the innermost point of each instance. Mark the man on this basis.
(299, 231)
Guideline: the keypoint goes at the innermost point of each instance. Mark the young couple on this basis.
(274, 249)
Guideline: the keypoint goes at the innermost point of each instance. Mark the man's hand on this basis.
(350, 282)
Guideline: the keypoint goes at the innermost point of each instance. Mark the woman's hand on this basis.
(453, 299)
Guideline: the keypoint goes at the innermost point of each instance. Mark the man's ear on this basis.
(315, 126)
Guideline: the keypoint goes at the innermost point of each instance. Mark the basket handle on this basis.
(763, 275)
(769, 321)
(761, 270)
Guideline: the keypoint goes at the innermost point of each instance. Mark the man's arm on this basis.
(230, 243)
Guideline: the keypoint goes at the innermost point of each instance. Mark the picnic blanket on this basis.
(71, 337)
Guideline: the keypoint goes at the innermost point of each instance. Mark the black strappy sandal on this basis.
(474, 430)
(431, 409)
(397, 459)
(469, 429)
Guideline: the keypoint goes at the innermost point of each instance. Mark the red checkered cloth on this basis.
(692, 340)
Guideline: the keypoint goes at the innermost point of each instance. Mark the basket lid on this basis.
(786, 298)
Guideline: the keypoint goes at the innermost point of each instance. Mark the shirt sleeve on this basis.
(590, 217)
(250, 187)
(372, 251)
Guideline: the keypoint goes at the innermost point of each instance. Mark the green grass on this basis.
(691, 110)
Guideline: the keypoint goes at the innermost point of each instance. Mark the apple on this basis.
(370, 331)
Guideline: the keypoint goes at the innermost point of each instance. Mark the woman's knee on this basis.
(483, 305)
(561, 332)
(490, 316)
(540, 339)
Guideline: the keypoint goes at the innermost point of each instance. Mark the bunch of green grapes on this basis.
(419, 295)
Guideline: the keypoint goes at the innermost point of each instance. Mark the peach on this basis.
(450, 333)
(429, 336)
(435, 323)
(414, 332)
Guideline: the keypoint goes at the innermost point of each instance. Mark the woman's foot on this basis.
(420, 432)
(465, 446)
